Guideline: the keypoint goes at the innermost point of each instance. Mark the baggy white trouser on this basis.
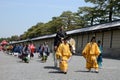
(56, 62)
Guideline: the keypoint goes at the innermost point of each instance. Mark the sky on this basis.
(17, 16)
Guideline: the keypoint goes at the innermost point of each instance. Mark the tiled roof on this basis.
(95, 27)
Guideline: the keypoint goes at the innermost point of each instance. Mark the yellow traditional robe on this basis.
(90, 53)
(63, 53)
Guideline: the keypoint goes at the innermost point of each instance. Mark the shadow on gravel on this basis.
(59, 72)
(86, 71)
(81, 71)
(51, 67)
(20, 62)
(54, 68)
(41, 61)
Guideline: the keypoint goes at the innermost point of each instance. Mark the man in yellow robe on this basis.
(63, 53)
(90, 53)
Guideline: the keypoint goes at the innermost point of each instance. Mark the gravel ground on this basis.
(11, 68)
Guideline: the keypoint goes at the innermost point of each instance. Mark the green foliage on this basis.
(109, 9)
(1, 39)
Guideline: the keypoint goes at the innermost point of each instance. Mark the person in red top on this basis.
(32, 49)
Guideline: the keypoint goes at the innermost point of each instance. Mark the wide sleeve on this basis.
(86, 50)
(59, 51)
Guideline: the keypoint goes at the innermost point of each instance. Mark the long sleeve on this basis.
(58, 52)
(97, 51)
(86, 50)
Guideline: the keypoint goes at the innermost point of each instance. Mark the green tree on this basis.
(110, 9)
(88, 14)
(71, 20)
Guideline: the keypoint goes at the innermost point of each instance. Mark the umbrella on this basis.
(4, 42)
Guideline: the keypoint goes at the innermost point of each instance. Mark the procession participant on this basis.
(45, 51)
(99, 59)
(90, 53)
(63, 53)
(60, 34)
(32, 49)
